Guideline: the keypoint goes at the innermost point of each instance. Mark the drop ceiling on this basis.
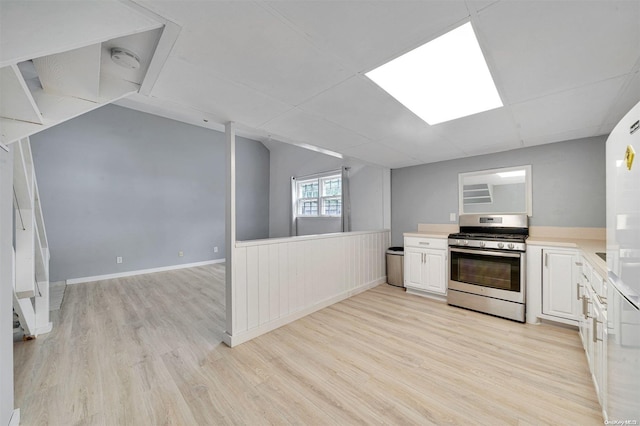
(294, 71)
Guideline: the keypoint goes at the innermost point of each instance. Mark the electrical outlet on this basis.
(452, 217)
(180, 253)
(119, 259)
(215, 249)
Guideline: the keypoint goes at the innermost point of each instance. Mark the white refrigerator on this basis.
(623, 263)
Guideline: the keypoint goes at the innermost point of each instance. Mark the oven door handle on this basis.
(483, 252)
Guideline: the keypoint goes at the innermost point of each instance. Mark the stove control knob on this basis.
(500, 245)
(482, 244)
(458, 242)
(511, 245)
(466, 242)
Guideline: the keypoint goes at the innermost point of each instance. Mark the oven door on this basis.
(488, 273)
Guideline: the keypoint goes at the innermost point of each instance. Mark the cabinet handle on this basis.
(577, 291)
(585, 307)
(423, 243)
(578, 263)
(595, 330)
(585, 277)
(546, 255)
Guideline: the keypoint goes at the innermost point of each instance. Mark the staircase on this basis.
(31, 249)
(57, 63)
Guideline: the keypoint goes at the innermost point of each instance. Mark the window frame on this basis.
(319, 199)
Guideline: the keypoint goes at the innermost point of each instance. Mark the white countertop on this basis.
(428, 234)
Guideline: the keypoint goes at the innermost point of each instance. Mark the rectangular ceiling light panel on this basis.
(445, 79)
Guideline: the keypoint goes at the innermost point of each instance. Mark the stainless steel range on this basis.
(487, 264)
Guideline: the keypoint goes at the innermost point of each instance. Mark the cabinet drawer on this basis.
(432, 243)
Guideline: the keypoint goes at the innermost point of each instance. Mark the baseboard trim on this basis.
(245, 336)
(142, 271)
(15, 418)
(424, 293)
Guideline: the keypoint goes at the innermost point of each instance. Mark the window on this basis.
(320, 197)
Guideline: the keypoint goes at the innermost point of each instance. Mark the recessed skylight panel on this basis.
(442, 80)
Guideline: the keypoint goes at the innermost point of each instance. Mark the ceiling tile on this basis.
(294, 70)
(539, 48)
(380, 154)
(360, 105)
(366, 34)
(627, 98)
(425, 152)
(186, 84)
(478, 5)
(574, 109)
(490, 128)
(249, 44)
(564, 136)
(297, 125)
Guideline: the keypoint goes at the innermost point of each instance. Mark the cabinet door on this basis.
(586, 323)
(583, 314)
(599, 355)
(436, 271)
(414, 268)
(559, 278)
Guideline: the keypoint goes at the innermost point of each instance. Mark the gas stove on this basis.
(496, 232)
(487, 264)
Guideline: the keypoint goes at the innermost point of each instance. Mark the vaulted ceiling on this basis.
(295, 71)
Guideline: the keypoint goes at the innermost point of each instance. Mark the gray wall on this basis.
(366, 183)
(6, 287)
(118, 182)
(252, 189)
(568, 180)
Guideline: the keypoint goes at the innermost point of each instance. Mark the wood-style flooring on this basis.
(146, 350)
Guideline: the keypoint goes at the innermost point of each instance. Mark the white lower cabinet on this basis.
(559, 284)
(593, 328)
(425, 269)
(599, 359)
(572, 292)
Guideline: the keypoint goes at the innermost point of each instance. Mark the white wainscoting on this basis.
(280, 280)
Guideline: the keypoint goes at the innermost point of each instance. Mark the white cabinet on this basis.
(425, 269)
(599, 357)
(563, 286)
(586, 321)
(593, 327)
(413, 267)
(559, 284)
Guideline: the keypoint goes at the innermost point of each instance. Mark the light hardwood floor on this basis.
(146, 350)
